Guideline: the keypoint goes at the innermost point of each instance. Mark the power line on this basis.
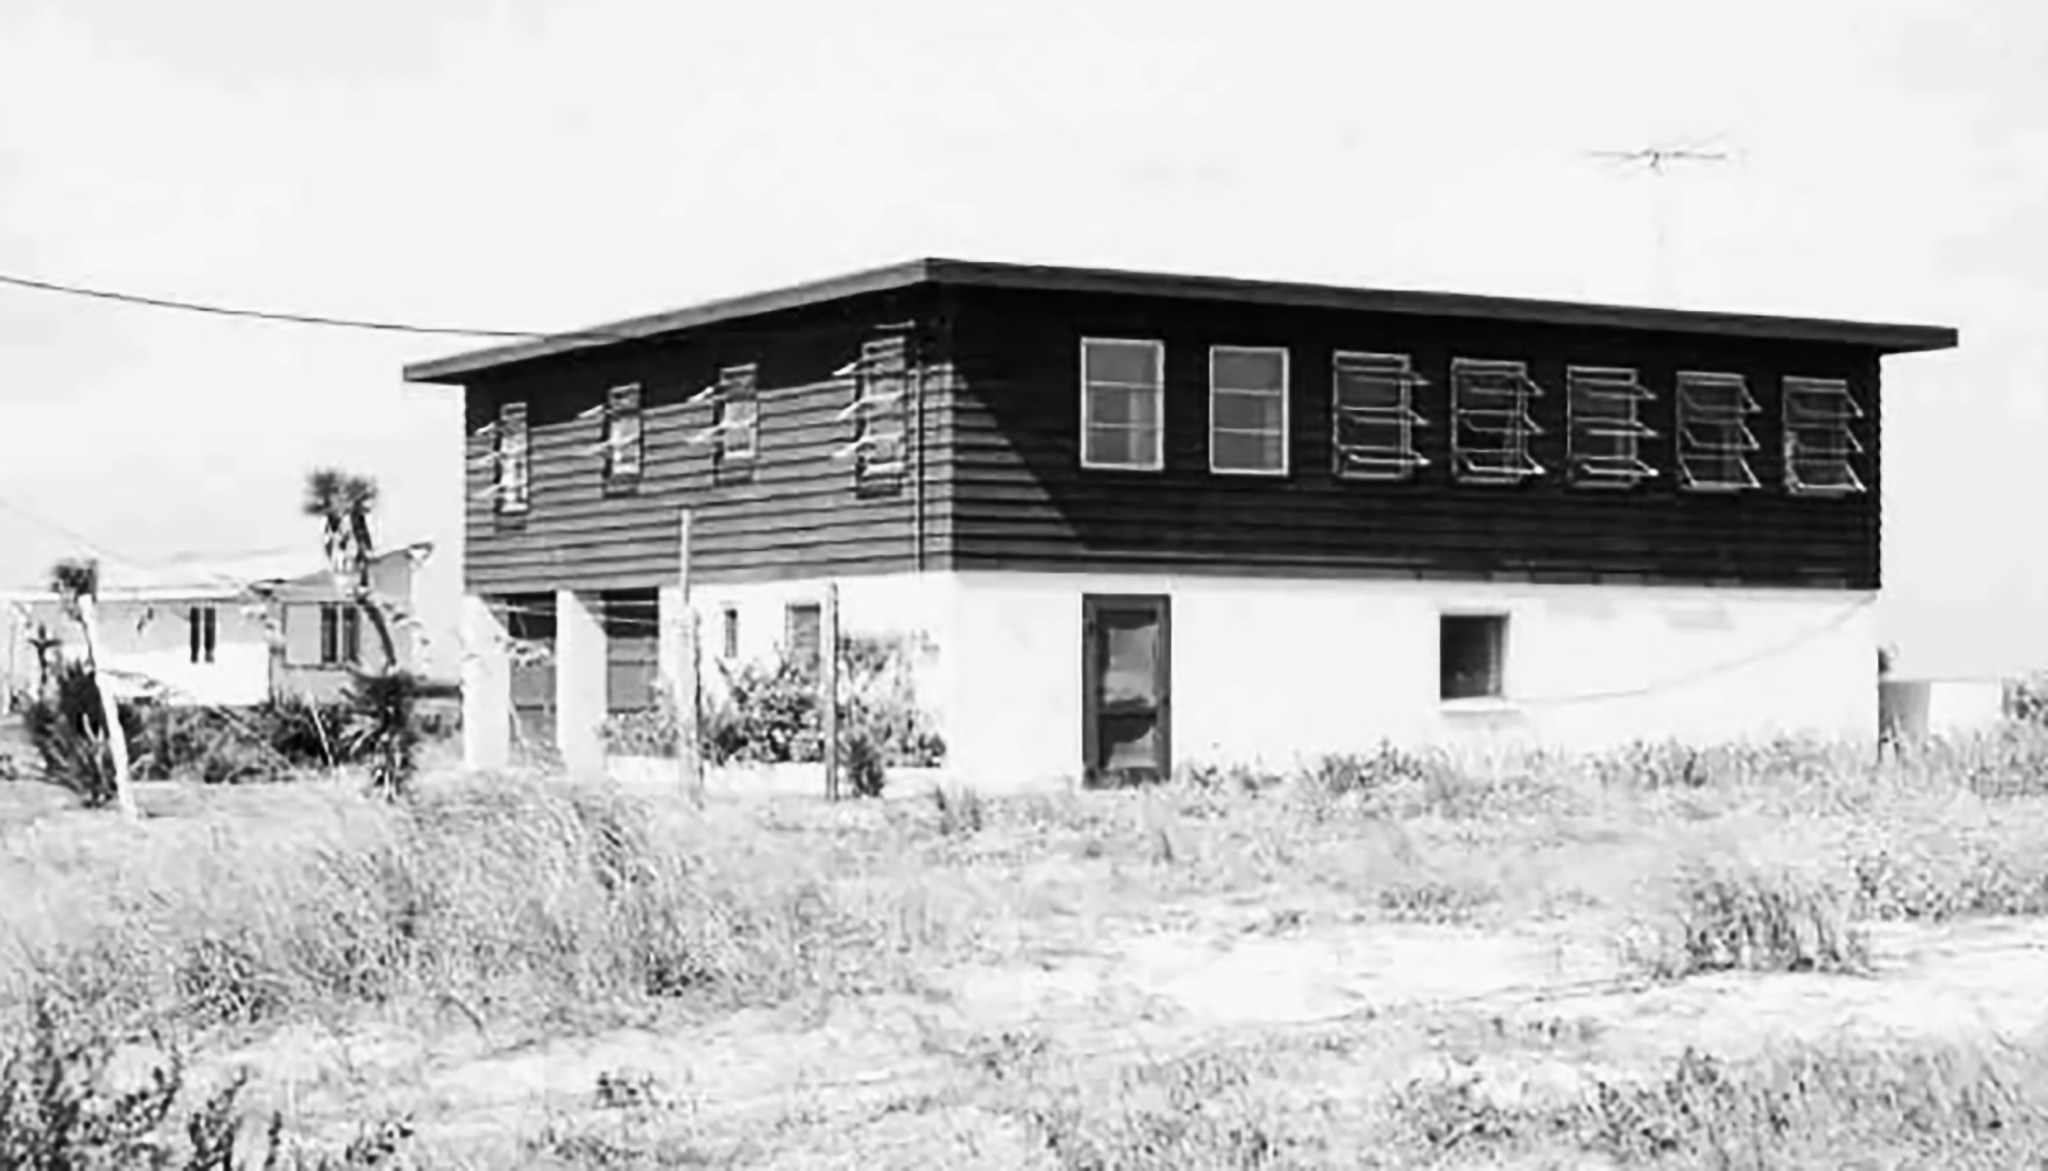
(186, 306)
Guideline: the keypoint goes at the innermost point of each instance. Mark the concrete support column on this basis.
(580, 684)
(486, 687)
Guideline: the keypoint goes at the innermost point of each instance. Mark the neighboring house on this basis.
(230, 632)
(1148, 519)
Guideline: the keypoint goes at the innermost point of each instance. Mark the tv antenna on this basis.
(1655, 162)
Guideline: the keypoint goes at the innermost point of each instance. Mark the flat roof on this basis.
(1886, 338)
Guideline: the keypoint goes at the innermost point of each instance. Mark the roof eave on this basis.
(454, 370)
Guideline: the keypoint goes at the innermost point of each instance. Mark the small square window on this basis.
(1472, 654)
(1248, 411)
(1123, 404)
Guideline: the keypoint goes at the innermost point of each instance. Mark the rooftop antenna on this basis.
(1655, 162)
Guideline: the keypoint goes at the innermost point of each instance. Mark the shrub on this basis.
(68, 731)
(1733, 916)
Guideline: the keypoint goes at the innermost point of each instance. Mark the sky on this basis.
(543, 164)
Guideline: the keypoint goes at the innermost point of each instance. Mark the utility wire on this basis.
(185, 306)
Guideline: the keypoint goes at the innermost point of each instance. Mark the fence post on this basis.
(828, 685)
(682, 670)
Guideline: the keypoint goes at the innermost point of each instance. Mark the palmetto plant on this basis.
(381, 725)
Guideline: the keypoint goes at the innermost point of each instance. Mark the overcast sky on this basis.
(530, 164)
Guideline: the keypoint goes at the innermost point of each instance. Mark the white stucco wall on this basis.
(151, 639)
(1269, 671)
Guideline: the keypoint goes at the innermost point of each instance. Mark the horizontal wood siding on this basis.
(1020, 499)
(795, 512)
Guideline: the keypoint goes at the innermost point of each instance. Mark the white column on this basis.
(486, 687)
(580, 699)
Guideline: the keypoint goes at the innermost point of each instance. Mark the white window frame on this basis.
(1286, 411)
(1690, 445)
(738, 385)
(1397, 463)
(344, 621)
(1605, 471)
(1840, 424)
(1158, 389)
(514, 449)
(625, 435)
(1517, 423)
(882, 454)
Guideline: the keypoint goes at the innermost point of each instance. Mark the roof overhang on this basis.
(1885, 338)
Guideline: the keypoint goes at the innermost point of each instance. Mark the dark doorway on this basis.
(1127, 722)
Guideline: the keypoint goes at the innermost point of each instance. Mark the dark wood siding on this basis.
(795, 512)
(1019, 498)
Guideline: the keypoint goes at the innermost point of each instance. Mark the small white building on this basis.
(230, 632)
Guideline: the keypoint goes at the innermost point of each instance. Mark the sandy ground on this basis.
(895, 1081)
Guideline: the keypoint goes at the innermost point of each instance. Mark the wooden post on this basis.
(828, 686)
(683, 681)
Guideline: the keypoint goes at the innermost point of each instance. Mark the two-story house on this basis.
(1148, 518)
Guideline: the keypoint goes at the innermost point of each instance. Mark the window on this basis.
(1820, 442)
(880, 407)
(1248, 411)
(622, 436)
(204, 631)
(1373, 419)
(1714, 440)
(513, 459)
(1606, 433)
(802, 635)
(1123, 404)
(341, 634)
(1491, 426)
(731, 647)
(1472, 653)
(739, 415)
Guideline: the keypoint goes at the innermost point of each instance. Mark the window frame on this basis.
(1684, 444)
(1286, 393)
(1844, 426)
(1407, 459)
(513, 446)
(1158, 461)
(1496, 692)
(729, 640)
(341, 634)
(815, 615)
(871, 473)
(737, 385)
(202, 624)
(1527, 389)
(1576, 471)
(623, 405)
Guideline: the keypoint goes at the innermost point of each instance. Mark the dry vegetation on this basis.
(1771, 956)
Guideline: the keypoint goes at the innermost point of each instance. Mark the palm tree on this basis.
(382, 723)
(343, 504)
(77, 583)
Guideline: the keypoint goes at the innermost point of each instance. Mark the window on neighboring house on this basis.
(1714, 439)
(731, 646)
(1491, 424)
(204, 631)
(1820, 440)
(1123, 404)
(623, 442)
(1606, 430)
(881, 411)
(1472, 656)
(1248, 410)
(803, 634)
(1373, 419)
(739, 415)
(513, 459)
(341, 634)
